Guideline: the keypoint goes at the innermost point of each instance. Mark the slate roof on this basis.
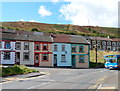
(63, 38)
(10, 36)
(98, 38)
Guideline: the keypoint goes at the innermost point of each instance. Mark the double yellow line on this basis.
(99, 82)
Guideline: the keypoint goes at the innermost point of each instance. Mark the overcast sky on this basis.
(77, 12)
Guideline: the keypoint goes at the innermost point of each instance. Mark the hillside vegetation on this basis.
(100, 58)
(59, 28)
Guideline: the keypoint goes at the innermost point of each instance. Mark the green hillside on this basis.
(59, 28)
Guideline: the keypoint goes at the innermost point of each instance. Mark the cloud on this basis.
(21, 20)
(32, 21)
(43, 11)
(55, 1)
(97, 12)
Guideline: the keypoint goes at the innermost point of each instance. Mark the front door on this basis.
(55, 60)
(17, 58)
(36, 62)
(73, 61)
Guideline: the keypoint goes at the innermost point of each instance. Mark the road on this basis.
(66, 78)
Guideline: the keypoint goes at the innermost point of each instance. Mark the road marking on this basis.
(15, 78)
(38, 85)
(100, 80)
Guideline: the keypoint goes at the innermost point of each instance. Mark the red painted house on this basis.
(43, 52)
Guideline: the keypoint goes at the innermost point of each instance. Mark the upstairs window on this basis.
(73, 49)
(63, 58)
(55, 48)
(7, 45)
(63, 47)
(45, 56)
(45, 47)
(81, 48)
(37, 46)
(26, 46)
(0, 44)
(18, 46)
(6, 56)
(26, 56)
(81, 59)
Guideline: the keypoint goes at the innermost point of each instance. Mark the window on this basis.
(26, 46)
(37, 46)
(63, 59)
(6, 56)
(81, 48)
(73, 49)
(7, 45)
(45, 56)
(18, 46)
(45, 47)
(0, 44)
(63, 47)
(55, 47)
(81, 59)
(26, 56)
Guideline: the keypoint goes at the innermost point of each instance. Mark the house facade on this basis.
(43, 54)
(103, 44)
(24, 52)
(62, 54)
(70, 51)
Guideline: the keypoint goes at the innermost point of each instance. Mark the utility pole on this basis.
(96, 53)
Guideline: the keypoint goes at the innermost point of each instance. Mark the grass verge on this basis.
(16, 70)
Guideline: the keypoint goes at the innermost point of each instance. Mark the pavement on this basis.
(64, 78)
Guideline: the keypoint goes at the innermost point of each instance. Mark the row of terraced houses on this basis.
(39, 49)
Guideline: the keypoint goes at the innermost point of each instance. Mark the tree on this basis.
(34, 29)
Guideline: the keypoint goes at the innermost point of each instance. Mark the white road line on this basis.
(38, 85)
(99, 86)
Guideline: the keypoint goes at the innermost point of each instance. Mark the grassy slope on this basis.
(100, 55)
(58, 28)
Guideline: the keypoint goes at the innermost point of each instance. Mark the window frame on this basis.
(5, 58)
(37, 46)
(6, 45)
(46, 57)
(82, 49)
(63, 48)
(63, 56)
(72, 48)
(55, 47)
(19, 43)
(24, 56)
(26, 45)
(82, 59)
(46, 47)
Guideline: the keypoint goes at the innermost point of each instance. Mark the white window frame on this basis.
(63, 58)
(26, 53)
(18, 45)
(6, 56)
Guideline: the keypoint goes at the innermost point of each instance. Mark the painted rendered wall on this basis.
(49, 52)
(59, 53)
(46, 63)
(77, 53)
(31, 53)
(82, 65)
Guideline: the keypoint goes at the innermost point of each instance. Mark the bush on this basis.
(17, 69)
(34, 29)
